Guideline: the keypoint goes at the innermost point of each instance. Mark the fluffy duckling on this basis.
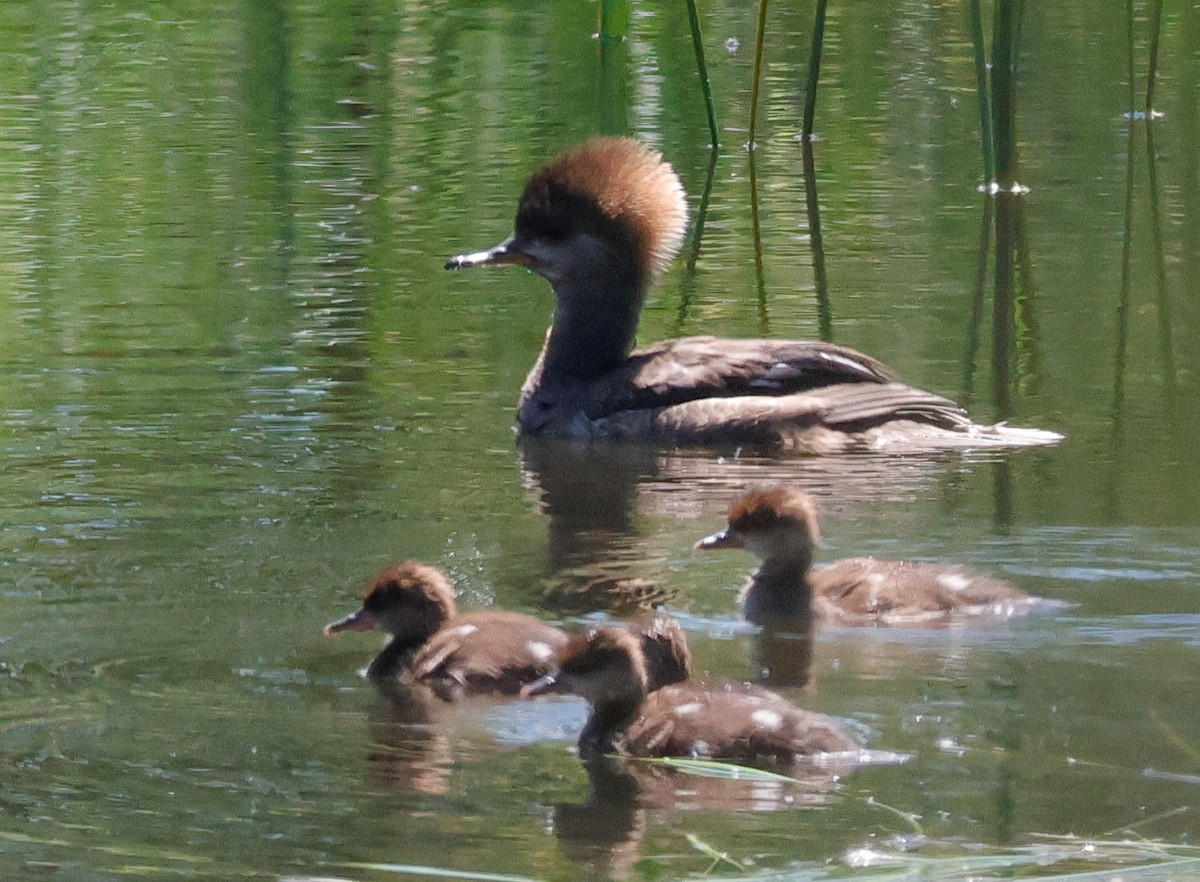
(485, 651)
(608, 667)
(778, 525)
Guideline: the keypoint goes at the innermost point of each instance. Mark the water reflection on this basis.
(628, 797)
(783, 653)
(596, 496)
(407, 747)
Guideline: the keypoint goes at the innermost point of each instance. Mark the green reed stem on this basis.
(1129, 47)
(760, 39)
(1004, 92)
(609, 13)
(814, 71)
(702, 69)
(1152, 72)
(986, 143)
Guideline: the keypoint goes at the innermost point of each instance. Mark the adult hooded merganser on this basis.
(484, 651)
(600, 223)
(475, 652)
(779, 526)
(607, 666)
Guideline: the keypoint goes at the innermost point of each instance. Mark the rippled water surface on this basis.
(236, 381)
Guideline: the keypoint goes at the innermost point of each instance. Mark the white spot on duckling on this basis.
(953, 581)
(767, 719)
(690, 708)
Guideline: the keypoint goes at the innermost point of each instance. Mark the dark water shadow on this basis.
(595, 498)
(1140, 119)
(406, 746)
(627, 798)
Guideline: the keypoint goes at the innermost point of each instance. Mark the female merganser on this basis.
(600, 223)
(779, 526)
(607, 666)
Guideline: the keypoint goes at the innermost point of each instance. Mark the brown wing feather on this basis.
(865, 588)
(692, 720)
(824, 420)
(492, 651)
(691, 368)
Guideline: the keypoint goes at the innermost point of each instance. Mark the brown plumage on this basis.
(735, 722)
(494, 651)
(617, 189)
(600, 223)
(668, 656)
(779, 525)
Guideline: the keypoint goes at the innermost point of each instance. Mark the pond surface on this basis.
(236, 382)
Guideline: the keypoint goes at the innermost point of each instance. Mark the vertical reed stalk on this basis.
(757, 79)
(1003, 93)
(1004, 110)
(812, 204)
(612, 100)
(1152, 72)
(814, 71)
(987, 145)
(610, 17)
(702, 69)
(1112, 503)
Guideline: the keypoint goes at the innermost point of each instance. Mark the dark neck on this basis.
(779, 589)
(606, 722)
(595, 320)
(393, 657)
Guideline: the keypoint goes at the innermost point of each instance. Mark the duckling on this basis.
(455, 654)
(607, 666)
(778, 525)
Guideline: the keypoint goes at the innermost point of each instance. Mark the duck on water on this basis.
(600, 223)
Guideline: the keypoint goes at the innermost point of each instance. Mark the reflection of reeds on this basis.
(1162, 292)
(978, 295)
(687, 285)
(1162, 304)
(759, 278)
(1016, 362)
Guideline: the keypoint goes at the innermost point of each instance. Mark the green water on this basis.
(236, 381)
